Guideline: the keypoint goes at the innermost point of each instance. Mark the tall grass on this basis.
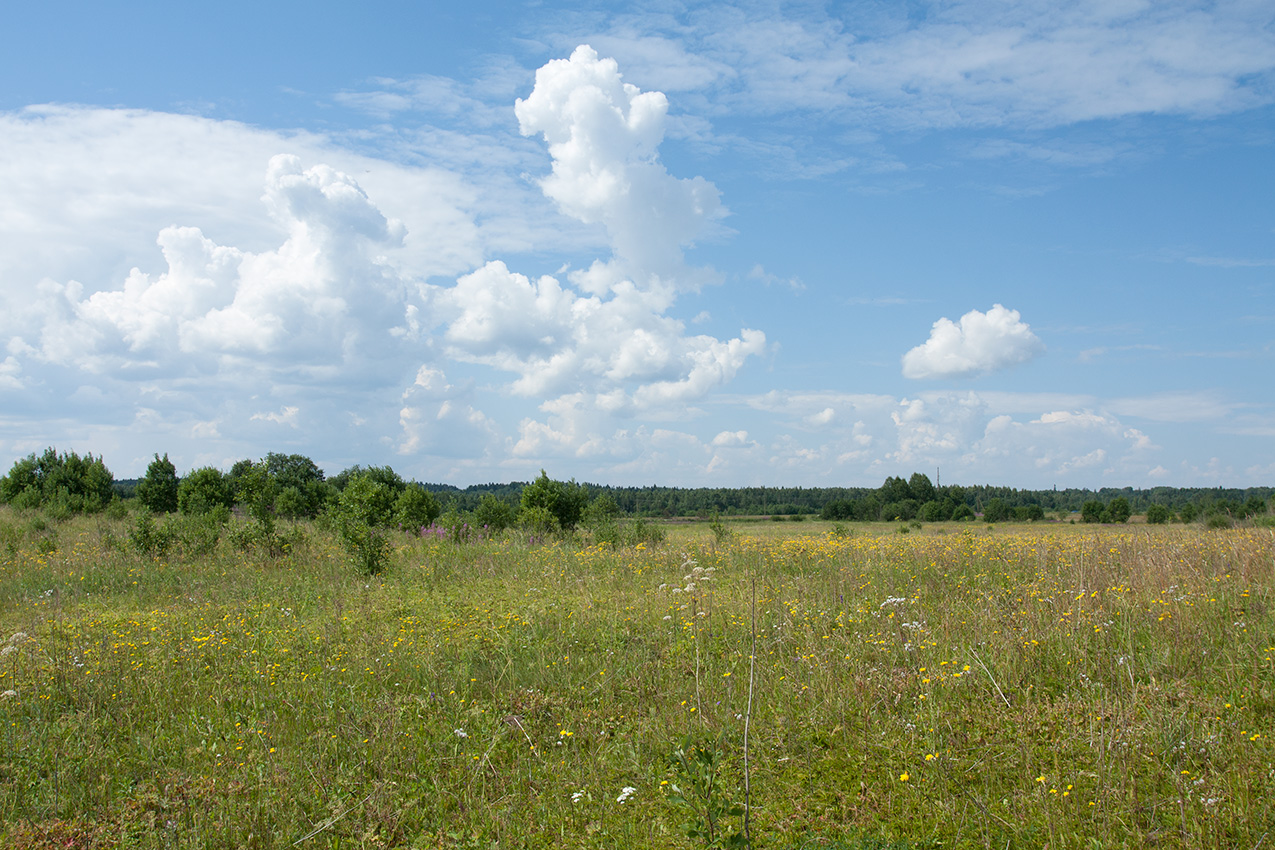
(1015, 687)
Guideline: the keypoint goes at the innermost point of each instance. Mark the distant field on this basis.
(956, 686)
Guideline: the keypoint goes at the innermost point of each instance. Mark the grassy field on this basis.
(960, 686)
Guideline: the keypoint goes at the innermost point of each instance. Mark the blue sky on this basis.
(807, 244)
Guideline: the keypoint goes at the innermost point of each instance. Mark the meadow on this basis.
(959, 685)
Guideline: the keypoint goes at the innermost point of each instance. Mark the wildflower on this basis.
(9, 694)
(904, 777)
(577, 796)
(625, 793)
(460, 733)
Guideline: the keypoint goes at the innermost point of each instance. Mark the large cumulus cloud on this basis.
(981, 342)
(312, 312)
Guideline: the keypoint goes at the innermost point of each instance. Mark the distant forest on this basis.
(897, 498)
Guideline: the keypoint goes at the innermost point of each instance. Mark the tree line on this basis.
(292, 486)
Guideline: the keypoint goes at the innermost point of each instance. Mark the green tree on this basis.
(996, 510)
(494, 514)
(1029, 513)
(416, 508)
(203, 491)
(1117, 510)
(302, 480)
(65, 482)
(564, 501)
(158, 490)
(360, 515)
(921, 487)
(1158, 514)
(1091, 511)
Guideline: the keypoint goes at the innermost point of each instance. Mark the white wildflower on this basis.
(460, 733)
(577, 796)
(9, 694)
(625, 793)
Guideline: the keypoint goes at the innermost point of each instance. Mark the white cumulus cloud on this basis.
(604, 135)
(981, 342)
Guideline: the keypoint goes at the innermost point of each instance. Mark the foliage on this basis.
(416, 508)
(538, 520)
(203, 491)
(158, 490)
(63, 483)
(363, 510)
(996, 510)
(1117, 510)
(1028, 513)
(697, 763)
(1091, 511)
(495, 514)
(564, 500)
(149, 537)
(1158, 514)
(619, 533)
(302, 481)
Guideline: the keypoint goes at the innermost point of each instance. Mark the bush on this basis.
(495, 514)
(996, 510)
(619, 534)
(204, 490)
(565, 501)
(158, 490)
(1117, 511)
(416, 508)
(68, 483)
(364, 509)
(150, 538)
(538, 520)
(1158, 514)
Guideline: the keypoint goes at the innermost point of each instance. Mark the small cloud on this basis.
(982, 342)
(823, 417)
(759, 273)
(286, 416)
(731, 439)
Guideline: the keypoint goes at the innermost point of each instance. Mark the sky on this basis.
(812, 244)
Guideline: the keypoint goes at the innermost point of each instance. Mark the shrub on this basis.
(1158, 514)
(150, 538)
(362, 512)
(158, 490)
(996, 510)
(566, 501)
(1117, 511)
(415, 508)
(495, 514)
(204, 490)
(69, 483)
